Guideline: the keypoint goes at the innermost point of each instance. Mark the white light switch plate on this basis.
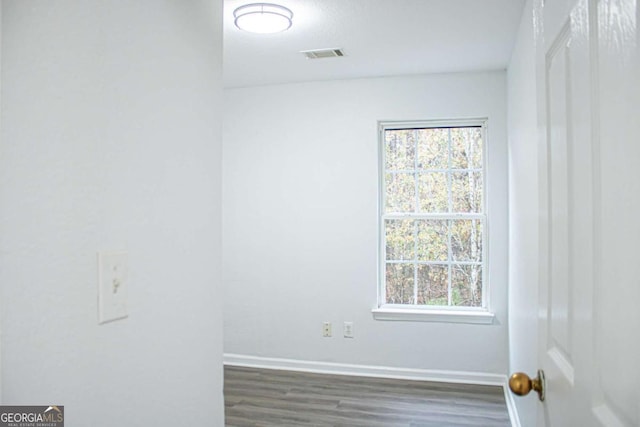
(113, 271)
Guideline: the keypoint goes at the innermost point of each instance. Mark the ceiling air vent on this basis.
(323, 53)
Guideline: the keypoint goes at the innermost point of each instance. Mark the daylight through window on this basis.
(433, 221)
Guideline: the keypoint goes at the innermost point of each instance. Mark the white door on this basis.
(588, 79)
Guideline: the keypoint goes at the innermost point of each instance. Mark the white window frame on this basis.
(454, 314)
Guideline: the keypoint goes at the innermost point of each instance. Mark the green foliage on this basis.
(434, 260)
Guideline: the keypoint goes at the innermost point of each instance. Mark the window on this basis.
(432, 215)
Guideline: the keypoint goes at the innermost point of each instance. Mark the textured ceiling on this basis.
(379, 38)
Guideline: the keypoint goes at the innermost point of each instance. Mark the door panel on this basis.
(588, 66)
(558, 81)
(559, 210)
(615, 395)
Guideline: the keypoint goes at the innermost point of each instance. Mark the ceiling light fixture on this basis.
(263, 18)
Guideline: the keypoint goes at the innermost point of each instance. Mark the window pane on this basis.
(432, 240)
(432, 192)
(466, 285)
(466, 191)
(466, 240)
(432, 256)
(400, 194)
(399, 283)
(399, 238)
(400, 149)
(433, 148)
(433, 284)
(466, 148)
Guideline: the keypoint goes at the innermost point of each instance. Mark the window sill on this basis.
(443, 316)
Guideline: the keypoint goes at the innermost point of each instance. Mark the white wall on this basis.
(523, 211)
(300, 221)
(111, 135)
(1, 316)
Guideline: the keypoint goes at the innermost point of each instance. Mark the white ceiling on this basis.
(379, 38)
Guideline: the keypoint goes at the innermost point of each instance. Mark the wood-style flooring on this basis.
(270, 398)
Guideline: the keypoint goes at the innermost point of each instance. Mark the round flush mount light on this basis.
(263, 18)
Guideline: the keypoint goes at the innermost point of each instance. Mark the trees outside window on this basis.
(432, 214)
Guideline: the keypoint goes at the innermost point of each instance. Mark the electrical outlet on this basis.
(326, 329)
(348, 329)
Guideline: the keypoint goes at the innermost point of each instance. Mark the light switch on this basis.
(113, 269)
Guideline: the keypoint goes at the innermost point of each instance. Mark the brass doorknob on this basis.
(521, 384)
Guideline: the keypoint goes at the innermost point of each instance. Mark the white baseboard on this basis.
(511, 405)
(364, 370)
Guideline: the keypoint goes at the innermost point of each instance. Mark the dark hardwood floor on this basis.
(270, 398)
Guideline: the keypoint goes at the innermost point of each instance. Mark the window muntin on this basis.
(432, 215)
